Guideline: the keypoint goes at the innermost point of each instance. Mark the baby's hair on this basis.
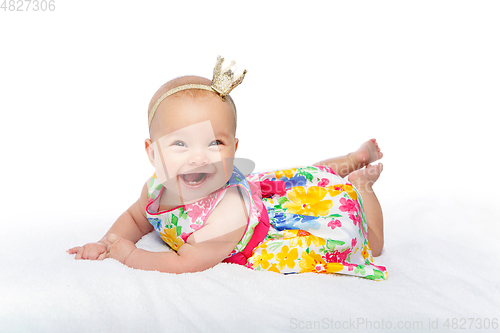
(193, 93)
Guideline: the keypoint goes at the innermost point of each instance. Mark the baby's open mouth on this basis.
(194, 179)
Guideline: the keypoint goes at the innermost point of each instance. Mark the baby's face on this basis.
(194, 154)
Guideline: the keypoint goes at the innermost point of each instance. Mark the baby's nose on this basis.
(198, 157)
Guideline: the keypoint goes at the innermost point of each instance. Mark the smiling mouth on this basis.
(194, 179)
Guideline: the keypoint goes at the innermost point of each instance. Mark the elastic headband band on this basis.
(222, 84)
(181, 88)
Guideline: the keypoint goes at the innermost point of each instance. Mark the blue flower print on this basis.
(305, 222)
(155, 222)
(294, 181)
(282, 221)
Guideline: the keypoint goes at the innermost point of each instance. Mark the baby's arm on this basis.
(131, 225)
(205, 248)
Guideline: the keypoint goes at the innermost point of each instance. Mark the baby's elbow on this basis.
(377, 249)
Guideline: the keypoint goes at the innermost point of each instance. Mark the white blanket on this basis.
(421, 77)
(441, 253)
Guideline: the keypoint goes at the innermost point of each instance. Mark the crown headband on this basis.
(223, 83)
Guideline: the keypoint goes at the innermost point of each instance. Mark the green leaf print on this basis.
(274, 246)
(282, 200)
(182, 213)
(179, 231)
(331, 244)
(360, 269)
(278, 209)
(378, 274)
(238, 179)
(174, 220)
(311, 169)
(332, 216)
(306, 174)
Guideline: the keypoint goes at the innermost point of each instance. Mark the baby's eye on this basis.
(216, 143)
(179, 143)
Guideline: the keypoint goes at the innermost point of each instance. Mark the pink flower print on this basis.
(356, 219)
(185, 236)
(354, 241)
(323, 182)
(195, 226)
(350, 267)
(325, 168)
(249, 265)
(329, 257)
(334, 224)
(337, 256)
(205, 202)
(382, 268)
(194, 211)
(347, 205)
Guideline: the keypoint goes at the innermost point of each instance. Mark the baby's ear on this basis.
(236, 144)
(150, 151)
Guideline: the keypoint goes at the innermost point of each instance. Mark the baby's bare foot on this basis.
(366, 177)
(368, 152)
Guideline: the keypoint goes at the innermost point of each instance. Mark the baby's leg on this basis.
(363, 180)
(368, 152)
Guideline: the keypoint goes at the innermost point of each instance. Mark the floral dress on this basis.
(305, 219)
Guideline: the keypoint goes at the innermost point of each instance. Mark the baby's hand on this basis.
(90, 251)
(120, 248)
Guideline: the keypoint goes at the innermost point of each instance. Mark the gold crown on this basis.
(223, 80)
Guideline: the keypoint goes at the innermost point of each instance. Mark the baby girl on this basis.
(304, 219)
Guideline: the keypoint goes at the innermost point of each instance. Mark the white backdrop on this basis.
(422, 77)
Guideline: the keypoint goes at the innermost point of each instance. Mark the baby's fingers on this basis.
(74, 250)
(78, 250)
(93, 253)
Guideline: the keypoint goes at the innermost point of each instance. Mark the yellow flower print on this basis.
(286, 257)
(262, 259)
(308, 202)
(288, 173)
(274, 268)
(169, 236)
(318, 241)
(300, 237)
(295, 236)
(312, 262)
(365, 252)
(334, 190)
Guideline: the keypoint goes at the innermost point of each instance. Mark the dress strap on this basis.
(261, 229)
